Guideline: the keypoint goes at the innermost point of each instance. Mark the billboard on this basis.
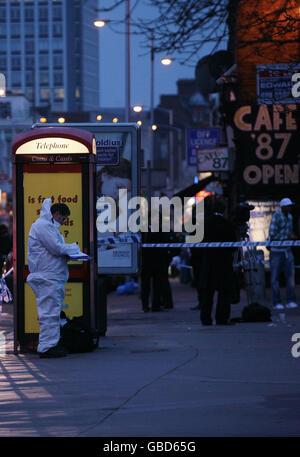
(267, 144)
(274, 83)
(117, 167)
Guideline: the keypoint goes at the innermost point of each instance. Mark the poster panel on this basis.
(114, 175)
(72, 305)
(62, 188)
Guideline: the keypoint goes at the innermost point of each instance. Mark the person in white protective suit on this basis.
(47, 261)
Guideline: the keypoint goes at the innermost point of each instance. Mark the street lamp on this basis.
(137, 108)
(166, 61)
(99, 23)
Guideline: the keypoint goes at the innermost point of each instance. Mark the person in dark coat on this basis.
(154, 271)
(217, 267)
(6, 243)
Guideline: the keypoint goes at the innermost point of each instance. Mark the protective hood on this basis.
(45, 211)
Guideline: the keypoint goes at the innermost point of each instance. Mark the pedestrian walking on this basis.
(217, 268)
(47, 262)
(282, 258)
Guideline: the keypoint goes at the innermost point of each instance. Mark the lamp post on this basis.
(100, 23)
(127, 60)
(165, 61)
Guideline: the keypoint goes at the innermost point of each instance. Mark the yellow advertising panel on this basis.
(61, 188)
(72, 305)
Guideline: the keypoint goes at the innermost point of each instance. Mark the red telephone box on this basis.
(55, 162)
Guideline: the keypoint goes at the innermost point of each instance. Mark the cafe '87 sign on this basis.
(267, 149)
(213, 159)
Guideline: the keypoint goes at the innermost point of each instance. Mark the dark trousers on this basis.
(165, 291)
(196, 274)
(150, 282)
(222, 309)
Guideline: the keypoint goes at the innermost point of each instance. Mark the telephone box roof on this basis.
(82, 136)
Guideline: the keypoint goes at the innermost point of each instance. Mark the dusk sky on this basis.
(112, 64)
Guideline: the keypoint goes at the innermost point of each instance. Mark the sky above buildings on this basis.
(112, 62)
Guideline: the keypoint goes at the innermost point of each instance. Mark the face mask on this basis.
(56, 223)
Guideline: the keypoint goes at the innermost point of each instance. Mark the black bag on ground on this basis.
(256, 313)
(76, 335)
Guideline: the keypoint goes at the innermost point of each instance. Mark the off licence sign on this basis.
(213, 159)
(201, 139)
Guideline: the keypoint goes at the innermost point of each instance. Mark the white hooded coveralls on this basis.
(47, 262)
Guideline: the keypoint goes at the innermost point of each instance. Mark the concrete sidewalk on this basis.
(159, 375)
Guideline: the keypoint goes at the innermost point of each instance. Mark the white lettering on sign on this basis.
(296, 86)
(52, 145)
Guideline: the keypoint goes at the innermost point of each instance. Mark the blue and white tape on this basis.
(234, 244)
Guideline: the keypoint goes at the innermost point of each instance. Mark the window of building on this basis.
(44, 78)
(14, 13)
(2, 14)
(59, 93)
(15, 44)
(44, 93)
(2, 62)
(57, 44)
(29, 78)
(3, 45)
(16, 78)
(58, 78)
(43, 13)
(29, 46)
(43, 60)
(2, 28)
(77, 92)
(29, 94)
(29, 14)
(57, 60)
(29, 30)
(43, 29)
(57, 13)
(15, 30)
(16, 62)
(29, 61)
(43, 44)
(5, 110)
(57, 29)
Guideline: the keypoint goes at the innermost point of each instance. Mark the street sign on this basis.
(213, 159)
(201, 139)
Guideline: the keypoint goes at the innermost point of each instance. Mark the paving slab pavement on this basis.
(158, 375)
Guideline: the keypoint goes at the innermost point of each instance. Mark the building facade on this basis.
(49, 52)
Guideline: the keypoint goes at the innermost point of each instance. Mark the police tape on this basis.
(220, 244)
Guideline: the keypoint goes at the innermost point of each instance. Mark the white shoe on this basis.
(291, 304)
(278, 306)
